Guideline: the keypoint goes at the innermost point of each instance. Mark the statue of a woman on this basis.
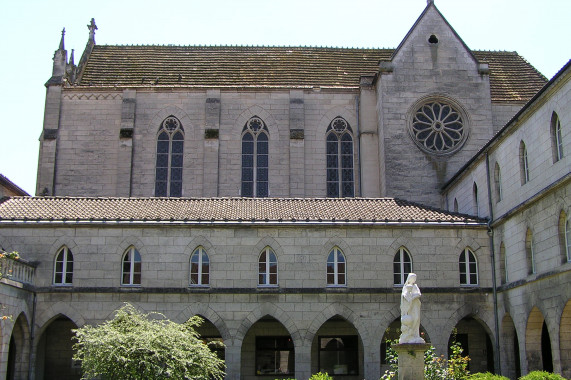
(410, 311)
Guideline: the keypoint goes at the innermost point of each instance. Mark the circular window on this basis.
(438, 127)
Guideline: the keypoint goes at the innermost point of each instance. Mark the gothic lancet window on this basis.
(556, 137)
(255, 157)
(340, 176)
(63, 271)
(199, 268)
(170, 149)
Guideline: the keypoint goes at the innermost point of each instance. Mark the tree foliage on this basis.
(134, 346)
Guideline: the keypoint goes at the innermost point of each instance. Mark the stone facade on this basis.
(101, 139)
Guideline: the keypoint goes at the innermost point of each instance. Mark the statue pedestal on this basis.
(411, 360)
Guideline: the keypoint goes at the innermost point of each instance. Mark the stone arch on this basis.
(407, 243)
(484, 317)
(132, 241)
(343, 111)
(199, 241)
(268, 241)
(208, 313)
(55, 310)
(337, 309)
(177, 112)
(274, 311)
(509, 348)
(565, 340)
(534, 340)
(16, 343)
(468, 242)
(336, 242)
(262, 113)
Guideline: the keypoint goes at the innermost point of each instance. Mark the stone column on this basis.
(233, 356)
(411, 360)
(369, 140)
(303, 360)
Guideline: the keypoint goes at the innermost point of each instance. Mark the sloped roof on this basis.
(71, 210)
(6, 183)
(512, 78)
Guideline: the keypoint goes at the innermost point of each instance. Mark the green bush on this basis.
(486, 376)
(321, 376)
(541, 375)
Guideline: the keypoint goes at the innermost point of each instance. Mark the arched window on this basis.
(468, 268)
(170, 149)
(455, 205)
(503, 264)
(340, 177)
(63, 269)
(131, 271)
(529, 252)
(268, 268)
(402, 266)
(336, 268)
(524, 164)
(199, 268)
(556, 137)
(498, 182)
(565, 236)
(255, 158)
(475, 199)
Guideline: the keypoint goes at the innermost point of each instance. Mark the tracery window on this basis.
(255, 158)
(529, 252)
(336, 268)
(131, 271)
(468, 267)
(524, 163)
(267, 268)
(498, 182)
(63, 269)
(340, 176)
(170, 149)
(199, 268)
(402, 266)
(438, 127)
(556, 137)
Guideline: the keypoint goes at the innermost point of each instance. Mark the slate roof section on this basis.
(512, 78)
(387, 211)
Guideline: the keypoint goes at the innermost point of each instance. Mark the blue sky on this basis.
(30, 31)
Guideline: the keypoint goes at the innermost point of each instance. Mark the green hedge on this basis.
(541, 375)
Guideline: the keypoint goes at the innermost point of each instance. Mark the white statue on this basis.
(410, 311)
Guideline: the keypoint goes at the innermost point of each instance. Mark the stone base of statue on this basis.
(411, 360)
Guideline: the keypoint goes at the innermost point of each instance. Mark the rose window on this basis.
(437, 127)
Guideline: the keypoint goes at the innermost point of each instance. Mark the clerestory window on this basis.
(340, 175)
(255, 158)
(170, 150)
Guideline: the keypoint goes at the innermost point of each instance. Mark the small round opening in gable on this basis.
(433, 39)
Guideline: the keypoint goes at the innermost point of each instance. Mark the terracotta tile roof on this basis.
(512, 78)
(225, 210)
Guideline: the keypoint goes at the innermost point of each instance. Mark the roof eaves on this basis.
(506, 127)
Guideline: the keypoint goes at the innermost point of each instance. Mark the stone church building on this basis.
(283, 194)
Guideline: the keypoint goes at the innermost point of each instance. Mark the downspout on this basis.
(32, 333)
(493, 257)
(357, 99)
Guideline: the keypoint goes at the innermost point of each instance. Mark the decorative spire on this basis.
(62, 43)
(71, 58)
(92, 28)
(428, 2)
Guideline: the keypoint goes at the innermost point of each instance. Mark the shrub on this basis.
(541, 375)
(486, 376)
(320, 376)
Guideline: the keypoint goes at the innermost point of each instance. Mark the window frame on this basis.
(524, 163)
(334, 175)
(260, 188)
(169, 190)
(133, 254)
(475, 199)
(498, 182)
(468, 265)
(530, 252)
(336, 252)
(67, 259)
(556, 137)
(199, 252)
(401, 252)
(268, 253)
(351, 351)
(258, 351)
